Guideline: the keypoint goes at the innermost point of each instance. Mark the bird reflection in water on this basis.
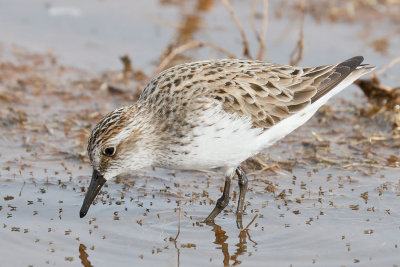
(221, 237)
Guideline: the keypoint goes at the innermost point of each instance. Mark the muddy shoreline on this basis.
(327, 194)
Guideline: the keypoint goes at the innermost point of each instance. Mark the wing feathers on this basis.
(276, 92)
(265, 92)
(338, 74)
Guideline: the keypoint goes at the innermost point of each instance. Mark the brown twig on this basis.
(264, 166)
(20, 192)
(178, 50)
(221, 49)
(388, 66)
(298, 50)
(179, 231)
(249, 237)
(247, 227)
(263, 31)
(228, 6)
(252, 22)
(179, 224)
(189, 46)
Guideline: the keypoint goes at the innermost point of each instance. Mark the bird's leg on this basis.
(222, 202)
(242, 178)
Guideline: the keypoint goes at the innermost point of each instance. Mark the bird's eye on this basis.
(109, 151)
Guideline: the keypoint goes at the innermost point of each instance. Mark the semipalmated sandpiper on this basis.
(212, 114)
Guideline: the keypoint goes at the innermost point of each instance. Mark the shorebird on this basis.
(210, 115)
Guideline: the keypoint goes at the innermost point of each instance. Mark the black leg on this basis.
(242, 194)
(222, 202)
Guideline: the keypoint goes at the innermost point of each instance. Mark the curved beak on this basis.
(95, 185)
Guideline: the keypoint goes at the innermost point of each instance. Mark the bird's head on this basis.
(119, 143)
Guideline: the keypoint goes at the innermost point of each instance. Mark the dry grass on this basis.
(192, 45)
(228, 6)
(297, 54)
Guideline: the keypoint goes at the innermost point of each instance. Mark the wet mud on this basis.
(327, 194)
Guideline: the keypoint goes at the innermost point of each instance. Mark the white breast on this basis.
(221, 140)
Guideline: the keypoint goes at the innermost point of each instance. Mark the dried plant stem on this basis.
(20, 191)
(189, 46)
(388, 66)
(247, 227)
(263, 31)
(177, 235)
(252, 20)
(297, 53)
(179, 223)
(228, 6)
(221, 49)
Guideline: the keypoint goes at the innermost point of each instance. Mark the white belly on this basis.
(225, 140)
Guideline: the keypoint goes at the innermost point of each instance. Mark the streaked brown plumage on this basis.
(212, 114)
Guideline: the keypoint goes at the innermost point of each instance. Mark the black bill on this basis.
(95, 185)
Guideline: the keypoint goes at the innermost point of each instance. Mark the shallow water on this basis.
(326, 218)
(333, 201)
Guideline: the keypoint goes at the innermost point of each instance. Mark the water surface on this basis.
(329, 199)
